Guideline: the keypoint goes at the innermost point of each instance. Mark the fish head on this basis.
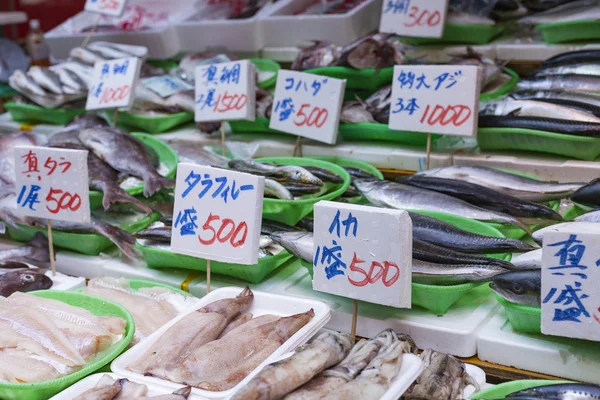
(521, 287)
(366, 54)
(26, 280)
(302, 175)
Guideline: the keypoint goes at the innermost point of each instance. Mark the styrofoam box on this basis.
(568, 358)
(478, 375)
(282, 28)
(263, 303)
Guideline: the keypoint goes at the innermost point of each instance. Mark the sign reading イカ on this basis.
(570, 293)
(113, 84)
(307, 105)
(226, 91)
(414, 18)
(435, 99)
(113, 8)
(364, 253)
(52, 183)
(217, 214)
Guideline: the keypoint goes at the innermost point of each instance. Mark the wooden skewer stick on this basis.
(115, 117)
(222, 139)
(297, 148)
(207, 276)
(428, 161)
(89, 36)
(51, 248)
(354, 319)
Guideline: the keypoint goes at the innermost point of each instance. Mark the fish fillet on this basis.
(21, 366)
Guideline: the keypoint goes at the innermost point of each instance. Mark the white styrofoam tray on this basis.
(454, 333)
(263, 303)
(478, 375)
(568, 358)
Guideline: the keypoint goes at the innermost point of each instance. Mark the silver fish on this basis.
(86, 56)
(580, 227)
(517, 186)
(184, 100)
(530, 260)
(7, 146)
(572, 11)
(589, 98)
(46, 78)
(320, 54)
(429, 273)
(300, 244)
(190, 151)
(520, 287)
(277, 190)
(354, 112)
(576, 69)
(34, 252)
(535, 109)
(69, 79)
(130, 50)
(592, 216)
(463, 18)
(20, 80)
(106, 51)
(284, 172)
(83, 72)
(575, 83)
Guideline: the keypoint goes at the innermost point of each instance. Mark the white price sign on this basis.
(217, 214)
(364, 253)
(52, 183)
(113, 8)
(435, 99)
(226, 91)
(113, 84)
(308, 105)
(166, 85)
(570, 293)
(414, 18)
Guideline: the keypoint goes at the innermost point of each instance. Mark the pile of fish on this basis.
(215, 347)
(553, 11)
(43, 339)
(560, 97)
(558, 391)
(330, 367)
(108, 388)
(151, 307)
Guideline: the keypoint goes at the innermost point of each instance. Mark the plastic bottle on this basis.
(36, 45)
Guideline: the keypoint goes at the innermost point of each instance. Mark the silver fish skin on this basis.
(282, 172)
(184, 100)
(130, 50)
(572, 11)
(320, 54)
(575, 69)
(404, 197)
(125, 154)
(580, 227)
(517, 186)
(46, 79)
(564, 391)
(282, 377)
(575, 83)
(300, 244)
(589, 98)
(86, 56)
(520, 287)
(82, 71)
(21, 80)
(353, 112)
(277, 190)
(442, 274)
(70, 79)
(592, 216)
(535, 109)
(7, 146)
(463, 18)
(190, 151)
(107, 52)
(33, 252)
(530, 260)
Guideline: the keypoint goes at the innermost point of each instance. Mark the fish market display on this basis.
(191, 152)
(571, 11)
(521, 287)
(108, 388)
(529, 260)
(43, 339)
(563, 391)
(150, 307)
(581, 227)
(429, 273)
(34, 252)
(425, 251)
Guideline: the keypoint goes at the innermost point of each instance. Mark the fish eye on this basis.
(517, 288)
(28, 278)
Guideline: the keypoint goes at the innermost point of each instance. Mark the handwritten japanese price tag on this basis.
(570, 292)
(166, 85)
(414, 18)
(217, 214)
(114, 8)
(435, 99)
(364, 253)
(307, 105)
(226, 91)
(52, 183)
(113, 84)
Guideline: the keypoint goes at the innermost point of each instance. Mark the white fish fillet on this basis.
(21, 366)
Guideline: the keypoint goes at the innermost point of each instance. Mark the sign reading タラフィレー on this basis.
(363, 252)
(414, 18)
(52, 183)
(113, 84)
(435, 99)
(570, 293)
(217, 214)
(307, 105)
(113, 8)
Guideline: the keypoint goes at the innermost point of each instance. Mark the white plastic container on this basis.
(263, 303)
(282, 28)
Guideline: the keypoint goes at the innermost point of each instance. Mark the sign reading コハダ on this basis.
(363, 252)
(113, 84)
(307, 105)
(435, 99)
(570, 292)
(217, 214)
(52, 183)
(414, 18)
(114, 8)
(226, 91)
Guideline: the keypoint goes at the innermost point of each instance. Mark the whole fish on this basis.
(273, 227)
(277, 190)
(440, 233)
(490, 69)
(34, 252)
(403, 197)
(354, 112)
(463, 18)
(45, 78)
(530, 260)
(514, 185)
(136, 51)
(588, 194)
(23, 281)
(85, 56)
(126, 154)
(320, 54)
(530, 108)
(190, 333)
(573, 104)
(590, 56)
(70, 79)
(106, 51)
(380, 50)
(573, 69)
(159, 234)
(378, 104)
(190, 151)
(424, 251)
(588, 98)
(184, 100)
(443, 377)
(580, 227)
(82, 71)
(306, 223)
(301, 189)
(429, 273)
(359, 173)
(279, 173)
(572, 11)
(576, 83)
(146, 100)
(20, 80)
(575, 127)
(280, 378)
(592, 216)
(300, 244)
(483, 197)
(564, 391)
(324, 174)
(520, 287)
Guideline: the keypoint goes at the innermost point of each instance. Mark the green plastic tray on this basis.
(264, 65)
(260, 125)
(507, 88)
(166, 155)
(573, 212)
(560, 32)
(579, 147)
(137, 284)
(97, 306)
(291, 211)
(504, 389)
(366, 79)
(90, 244)
(36, 114)
(158, 124)
(522, 318)
(158, 258)
(464, 34)
(167, 64)
(375, 131)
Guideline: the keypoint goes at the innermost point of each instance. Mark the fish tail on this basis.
(183, 392)
(155, 182)
(39, 241)
(122, 239)
(518, 222)
(115, 194)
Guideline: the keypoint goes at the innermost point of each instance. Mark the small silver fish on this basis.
(532, 108)
(70, 79)
(107, 52)
(277, 190)
(46, 79)
(429, 273)
(20, 80)
(85, 56)
(300, 244)
(354, 112)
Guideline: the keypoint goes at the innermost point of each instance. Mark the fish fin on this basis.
(515, 113)
(115, 194)
(155, 182)
(469, 380)
(122, 239)
(523, 225)
(39, 241)
(183, 392)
